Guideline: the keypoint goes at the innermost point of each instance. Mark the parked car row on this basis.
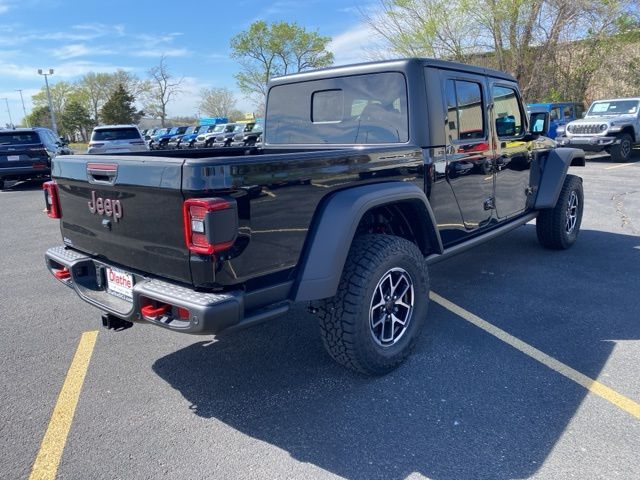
(204, 136)
(612, 125)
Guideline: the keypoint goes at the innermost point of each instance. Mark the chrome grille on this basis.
(587, 128)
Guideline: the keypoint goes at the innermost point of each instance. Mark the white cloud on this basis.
(352, 46)
(65, 70)
(80, 50)
(3, 8)
(167, 52)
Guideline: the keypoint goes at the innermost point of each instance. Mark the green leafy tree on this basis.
(60, 92)
(75, 120)
(268, 50)
(119, 108)
(39, 117)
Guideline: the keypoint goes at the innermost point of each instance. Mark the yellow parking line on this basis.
(48, 459)
(593, 386)
(620, 166)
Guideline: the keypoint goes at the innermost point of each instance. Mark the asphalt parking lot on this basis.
(269, 403)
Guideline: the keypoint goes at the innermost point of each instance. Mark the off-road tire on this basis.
(553, 224)
(622, 151)
(345, 321)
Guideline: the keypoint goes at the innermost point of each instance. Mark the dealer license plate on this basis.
(119, 283)
(13, 158)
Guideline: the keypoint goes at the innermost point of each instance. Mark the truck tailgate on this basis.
(126, 210)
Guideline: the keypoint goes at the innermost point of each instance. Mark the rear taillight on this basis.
(198, 220)
(52, 200)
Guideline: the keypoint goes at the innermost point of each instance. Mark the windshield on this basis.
(18, 138)
(238, 128)
(229, 128)
(190, 130)
(105, 134)
(617, 107)
(356, 109)
(162, 131)
(217, 128)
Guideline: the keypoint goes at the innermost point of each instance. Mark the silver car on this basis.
(116, 139)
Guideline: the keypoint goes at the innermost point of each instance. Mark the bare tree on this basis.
(217, 102)
(160, 89)
(552, 47)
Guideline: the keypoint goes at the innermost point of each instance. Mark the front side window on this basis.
(508, 116)
(357, 109)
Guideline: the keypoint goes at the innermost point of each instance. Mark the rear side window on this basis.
(508, 116)
(465, 115)
(567, 112)
(106, 134)
(18, 138)
(369, 108)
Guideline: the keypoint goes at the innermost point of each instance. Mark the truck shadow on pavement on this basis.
(465, 405)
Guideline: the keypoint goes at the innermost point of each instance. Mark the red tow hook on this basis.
(152, 312)
(63, 274)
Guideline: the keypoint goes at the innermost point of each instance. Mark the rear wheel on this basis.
(558, 227)
(372, 323)
(621, 152)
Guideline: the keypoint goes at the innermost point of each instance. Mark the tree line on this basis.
(554, 48)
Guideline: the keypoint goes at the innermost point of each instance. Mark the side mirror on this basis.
(584, 114)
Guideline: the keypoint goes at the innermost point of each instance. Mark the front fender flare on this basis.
(553, 174)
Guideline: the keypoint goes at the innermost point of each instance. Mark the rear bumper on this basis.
(24, 172)
(209, 313)
(589, 144)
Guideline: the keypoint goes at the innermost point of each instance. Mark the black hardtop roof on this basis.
(403, 64)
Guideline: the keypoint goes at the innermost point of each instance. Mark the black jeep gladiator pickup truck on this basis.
(367, 174)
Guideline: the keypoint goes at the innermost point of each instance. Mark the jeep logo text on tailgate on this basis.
(105, 206)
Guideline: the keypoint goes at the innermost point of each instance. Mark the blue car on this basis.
(161, 139)
(545, 118)
(188, 139)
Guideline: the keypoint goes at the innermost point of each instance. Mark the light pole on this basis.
(54, 127)
(24, 110)
(6, 101)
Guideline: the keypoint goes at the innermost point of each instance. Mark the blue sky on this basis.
(75, 37)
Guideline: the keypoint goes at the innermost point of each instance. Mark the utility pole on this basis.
(54, 127)
(24, 110)
(6, 101)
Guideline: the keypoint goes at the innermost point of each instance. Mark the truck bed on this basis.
(277, 193)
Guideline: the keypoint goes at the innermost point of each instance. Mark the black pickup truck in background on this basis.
(366, 175)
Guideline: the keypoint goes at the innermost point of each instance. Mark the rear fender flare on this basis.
(334, 228)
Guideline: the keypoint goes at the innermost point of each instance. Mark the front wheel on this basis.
(558, 227)
(621, 152)
(372, 323)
